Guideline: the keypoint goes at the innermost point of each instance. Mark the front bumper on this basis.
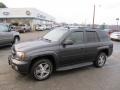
(20, 66)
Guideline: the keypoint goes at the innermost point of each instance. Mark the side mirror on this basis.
(9, 30)
(68, 42)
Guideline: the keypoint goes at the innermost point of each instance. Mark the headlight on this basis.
(21, 55)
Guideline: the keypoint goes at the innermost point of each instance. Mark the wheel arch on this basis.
(105, 50)
(17, 36)
(49, 56)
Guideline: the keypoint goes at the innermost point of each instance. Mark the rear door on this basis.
(92, 43)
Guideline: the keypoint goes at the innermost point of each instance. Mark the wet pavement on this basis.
(85, 78)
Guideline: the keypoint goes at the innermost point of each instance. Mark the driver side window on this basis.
(76, 37)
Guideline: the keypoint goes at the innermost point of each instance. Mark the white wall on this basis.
(21, 12)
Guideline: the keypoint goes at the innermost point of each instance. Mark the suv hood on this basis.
(31, 45)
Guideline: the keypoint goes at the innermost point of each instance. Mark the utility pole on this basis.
(93, 26)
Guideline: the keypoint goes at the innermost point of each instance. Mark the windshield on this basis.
(55, 35)
(3, 28)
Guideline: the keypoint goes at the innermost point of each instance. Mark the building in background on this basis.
(29, 16)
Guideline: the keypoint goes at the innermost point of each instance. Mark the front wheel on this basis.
(42, 69)
(16, 40)
(101, 60)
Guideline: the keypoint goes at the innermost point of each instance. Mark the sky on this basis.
(73, 11)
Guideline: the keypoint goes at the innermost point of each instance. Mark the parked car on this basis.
(40, 27)
(23, 28)
(115, 36)
(12, 27)
(61, 49)
(7, 36)
(48, 27)
(110, 31)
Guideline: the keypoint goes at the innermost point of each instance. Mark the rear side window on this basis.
(76, 37)
(92, 36)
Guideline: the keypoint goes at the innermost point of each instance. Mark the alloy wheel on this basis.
(42, 71)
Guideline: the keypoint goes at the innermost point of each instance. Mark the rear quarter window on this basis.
(103, 36)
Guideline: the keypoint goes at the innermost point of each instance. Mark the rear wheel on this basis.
(101, 60)
(42, 69)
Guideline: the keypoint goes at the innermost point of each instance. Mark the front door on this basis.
(73, 54)
(8, 37)
(5, 34)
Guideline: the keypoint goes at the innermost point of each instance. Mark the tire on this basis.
(41, 67)
(101, 60)
(16, 40)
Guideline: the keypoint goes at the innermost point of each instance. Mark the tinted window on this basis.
(92, 36)
(76, 37)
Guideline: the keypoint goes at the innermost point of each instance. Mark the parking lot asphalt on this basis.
(85, 78)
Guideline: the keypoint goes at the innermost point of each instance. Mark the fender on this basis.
(102, 48)
(46, 53)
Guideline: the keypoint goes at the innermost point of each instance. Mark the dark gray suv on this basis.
(61, 49)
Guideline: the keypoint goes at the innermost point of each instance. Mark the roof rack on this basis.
(79, 27)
